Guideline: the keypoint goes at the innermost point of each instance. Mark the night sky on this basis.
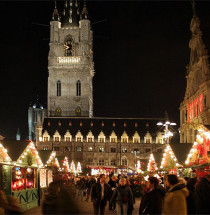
(140, 54)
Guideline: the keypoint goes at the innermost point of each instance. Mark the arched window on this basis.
(58, 88)
(68, 46)
(58, 112)
(78, 111)
(78, 88)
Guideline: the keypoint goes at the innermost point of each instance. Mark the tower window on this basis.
(58, 88)
(78, 111)
(68, 46)
(58, 112)
(78, 88)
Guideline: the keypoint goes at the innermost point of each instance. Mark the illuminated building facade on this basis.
(70, 63)
(195, 108)
(69, 127)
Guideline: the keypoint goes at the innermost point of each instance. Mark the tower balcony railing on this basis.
(70, 61)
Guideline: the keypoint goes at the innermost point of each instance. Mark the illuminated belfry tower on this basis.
(70, 62)
(195, 108)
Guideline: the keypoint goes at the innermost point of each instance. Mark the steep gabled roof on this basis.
(44, 155)
(15, 147)
(181, 150)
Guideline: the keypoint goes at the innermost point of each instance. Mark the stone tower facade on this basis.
(195, 108)
(70, 63)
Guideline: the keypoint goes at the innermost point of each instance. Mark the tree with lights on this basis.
(152, 166)
(169, 161)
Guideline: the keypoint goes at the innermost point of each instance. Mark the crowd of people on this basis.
(178, 196)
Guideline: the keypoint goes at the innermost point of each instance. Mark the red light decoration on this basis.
(200, 107)
(194, 108)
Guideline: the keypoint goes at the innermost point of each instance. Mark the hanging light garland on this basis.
(138, 167)
(166, 156)
(79, 168)
(72, 167)
(4, 154)
(30, 149)
(152, 166)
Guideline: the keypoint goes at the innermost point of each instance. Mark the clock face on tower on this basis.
(68, 46)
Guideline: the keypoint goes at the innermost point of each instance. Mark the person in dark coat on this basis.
(99, 195)
(152, 201)
(124, 197)
(202, 195)
(112, 183)
(191, 183)
(58, 200)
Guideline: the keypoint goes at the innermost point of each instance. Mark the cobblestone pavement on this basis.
(85, 207)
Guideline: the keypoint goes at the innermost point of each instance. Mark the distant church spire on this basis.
(84, 14)
(71, 14)
(18, 134)
(193, 8)
(55, 16)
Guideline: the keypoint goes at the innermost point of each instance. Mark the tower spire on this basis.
(84, 14)
(55, 16)
(193, 8)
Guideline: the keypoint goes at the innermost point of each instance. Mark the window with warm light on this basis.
(101, 140)
(79, 139)
(136, 140)
(124, 140)
(68, 139)
(45, 139)
(56, 139)
(124, 162)
(90, 149)
(79, 149)
(124, 150)
(147, 140)
(90, 139)
(45, 148)
(113, 140)
(101, 149)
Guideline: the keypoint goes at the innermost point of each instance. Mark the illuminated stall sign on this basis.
(195, 108)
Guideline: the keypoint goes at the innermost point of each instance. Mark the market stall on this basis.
(21, 172)
(199, 156)
(50, 165)
(97, 170)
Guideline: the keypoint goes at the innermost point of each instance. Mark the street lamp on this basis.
(167, 132)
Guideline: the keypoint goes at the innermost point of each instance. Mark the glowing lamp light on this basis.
(1, 145)
(20, 161)
(5, 150)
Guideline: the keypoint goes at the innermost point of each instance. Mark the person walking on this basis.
(123, 197)
(89, 185)
(112, 183)
(175, 199)
(191, 183)
(152, 201)
(202, 195)
(80, 186)
(99, 195)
